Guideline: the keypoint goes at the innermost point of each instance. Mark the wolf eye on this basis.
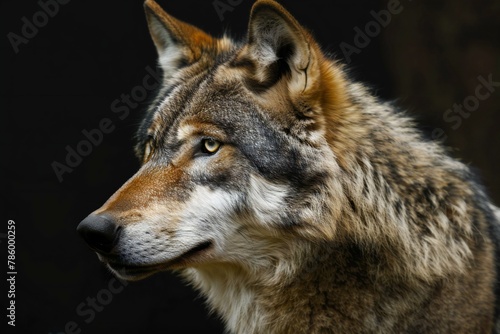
(210, 146)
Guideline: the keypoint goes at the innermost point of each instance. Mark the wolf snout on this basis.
(100, 232)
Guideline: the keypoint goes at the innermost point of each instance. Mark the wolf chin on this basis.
(294, 199)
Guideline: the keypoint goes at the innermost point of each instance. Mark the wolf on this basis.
(294, 199)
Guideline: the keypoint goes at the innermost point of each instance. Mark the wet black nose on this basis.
(100, 232)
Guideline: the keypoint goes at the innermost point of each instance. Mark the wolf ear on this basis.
(279, 46)
(177, 42)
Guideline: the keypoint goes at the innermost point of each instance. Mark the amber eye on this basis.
(210, 146)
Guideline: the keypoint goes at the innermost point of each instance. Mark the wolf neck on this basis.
(310, 294)
(231, 293)
(402, 195)
(253, 301)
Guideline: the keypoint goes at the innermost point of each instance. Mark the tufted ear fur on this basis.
(177, 42)
(280, 48)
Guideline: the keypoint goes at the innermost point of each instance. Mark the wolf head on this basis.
(259, 156)
(234, 152)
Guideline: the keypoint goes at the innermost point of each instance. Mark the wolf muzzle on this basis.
(100, 232)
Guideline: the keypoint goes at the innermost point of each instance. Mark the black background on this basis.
(64, 81)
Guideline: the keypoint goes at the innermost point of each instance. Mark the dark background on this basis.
(66, 77)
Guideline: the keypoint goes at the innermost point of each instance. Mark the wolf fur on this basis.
(322, 209)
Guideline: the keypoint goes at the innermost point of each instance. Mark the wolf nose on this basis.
(100, 232)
